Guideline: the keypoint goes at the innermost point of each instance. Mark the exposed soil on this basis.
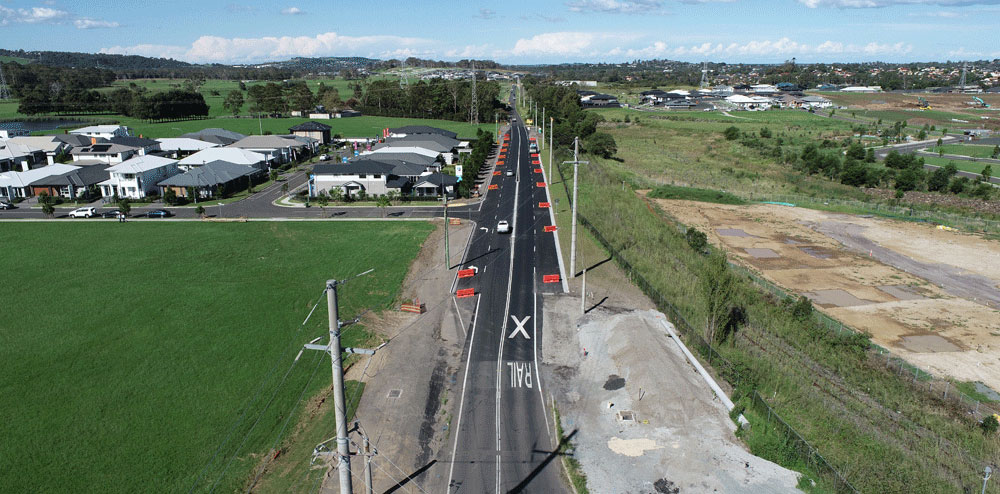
(929, 295)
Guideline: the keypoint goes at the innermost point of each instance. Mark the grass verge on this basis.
(694, 194)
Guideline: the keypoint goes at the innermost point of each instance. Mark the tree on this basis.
(921, 135)
(855, 173)
(958, 185)
(909, 179)
(125, 206)
(696, 239)
(48, 209)
(382, 202)
(990, 425)
(996, 151)
(983, 191)
(233, 102)
(284, 188)
(200, 210)
(802, 309)
(602, 144)
(718, 286)
(273, 175)
(731, 133)
(987, 173)
(869, 155)
(938, 180)
(856, 151)
(169, 196)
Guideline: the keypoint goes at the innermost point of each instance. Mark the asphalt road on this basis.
(504, 436)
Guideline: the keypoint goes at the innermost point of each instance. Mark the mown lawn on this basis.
(967, 166)
(965, 150)
(140, 357)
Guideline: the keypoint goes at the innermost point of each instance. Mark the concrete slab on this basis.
(835, 298)
(760, 253)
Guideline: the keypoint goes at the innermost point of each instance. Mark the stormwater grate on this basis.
(626, 416)
(395, 393)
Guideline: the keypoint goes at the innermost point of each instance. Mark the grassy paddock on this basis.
(694, 194)
(133, 376)
(965, 150)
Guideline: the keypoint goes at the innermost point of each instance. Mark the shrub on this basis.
(990, 424)
(696, 239)
(802, 309)
(732, 133)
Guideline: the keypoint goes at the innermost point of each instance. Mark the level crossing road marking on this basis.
(520, 327)
(520, 374)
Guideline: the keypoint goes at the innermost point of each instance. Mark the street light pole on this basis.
(551, 123)
(343, 448)
(986, 476)
(576, 164)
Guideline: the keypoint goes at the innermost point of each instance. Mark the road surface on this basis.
(504, 437)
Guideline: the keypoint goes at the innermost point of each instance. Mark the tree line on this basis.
(471, 166)
(441, 99)
(571, 121)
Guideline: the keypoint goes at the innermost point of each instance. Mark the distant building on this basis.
(138, 177)
(104, 131)
(861, 89)
(312, 129)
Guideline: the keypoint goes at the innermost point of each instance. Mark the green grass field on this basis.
(965, 150)
(131, 351)
(967, 166)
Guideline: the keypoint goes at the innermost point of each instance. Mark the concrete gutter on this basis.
(704, 374)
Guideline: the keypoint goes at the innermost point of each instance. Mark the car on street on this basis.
(112, 213)
(503, 227)
(510, 173)
(158, 213)
(87, 212)
(324, 157)
(7, 205)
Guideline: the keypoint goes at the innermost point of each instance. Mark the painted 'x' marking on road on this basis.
(520, 327)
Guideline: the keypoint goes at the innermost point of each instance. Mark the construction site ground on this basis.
(927, 294)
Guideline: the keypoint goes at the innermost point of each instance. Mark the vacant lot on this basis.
(941, 315)
(158, 357)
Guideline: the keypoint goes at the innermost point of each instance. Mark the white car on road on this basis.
(503, 227)
(83, 213)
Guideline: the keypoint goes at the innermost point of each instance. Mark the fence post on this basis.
(946, 383)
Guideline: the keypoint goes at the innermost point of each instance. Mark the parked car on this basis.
(510, 173)
(113, 213)
(7, 205)
(158, 213)
(324, 157)
(503, 227)
(83, 213)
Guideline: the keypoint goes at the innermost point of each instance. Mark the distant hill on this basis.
(318, 64)
(93, 60)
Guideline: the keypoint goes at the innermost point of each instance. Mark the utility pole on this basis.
(542, 126)
(551, 123)
(576, 165)
(333, 348)
(368, 465)
(447, 245)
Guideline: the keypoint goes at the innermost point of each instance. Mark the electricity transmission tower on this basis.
(704, 75)
(474, 107)
(961, 83)
(404, 82)
(4, 90)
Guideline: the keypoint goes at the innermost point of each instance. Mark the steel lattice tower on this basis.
(704, 75)
(4, 90)
(474, 107)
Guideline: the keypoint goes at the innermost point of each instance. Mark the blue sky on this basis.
(515, 31)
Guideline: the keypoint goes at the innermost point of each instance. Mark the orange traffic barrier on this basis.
(416, 307)
(543, 205)
(549, 228)
(492, 187)
(466, 273)
(550, 278)
(540, 184)
(465, 292)
(455, 221)
(538, 170)
(497, 173)
(534, 155)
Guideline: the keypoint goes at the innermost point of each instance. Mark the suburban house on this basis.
(763, 89)
(788, 101)
(15, 184)
(316, 130)
(659, 97)
(78, 141)
(138, 177)
(435, 185)
(447, 147)
(356, 176)
(103, 131)
(50, 145)
(74, 184)
(277, 148)
(749, 102)
(816, 102)
(143, 145)
(722, 90)
(432, 163)
(179, 147)
(592, 99)
(231, 155)
(9, 130)
(104, 151)
(209, 178)
(861, 89)
(19, 157)
(216, 135)
(409, 130)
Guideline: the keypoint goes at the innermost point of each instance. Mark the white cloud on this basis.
(250, 50)
(782, 47)
(469, 51)
(33, 15)
(963, 53)
(87, 23)
(616, 6)
(486, 14)
(871, 4)
(565, 43)
(292, 11)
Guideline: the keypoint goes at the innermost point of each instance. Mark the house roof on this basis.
(23, 179)
(397, 183)
(141, 164)
(420, 159)
(215, 132)
(209, 174)
(449, 142)
(815, 99)
(428, 145)
(406, 169)
(232, 155)
(402, 149)
(11, 149)
(103, 148)
(184, 144)
(422, 129)
(81, 177)
(96, 129)
(355, 167)
(310, 126)
(437, 179)
(136, 142)
(76, 140)
(266, 142)
(49, 144)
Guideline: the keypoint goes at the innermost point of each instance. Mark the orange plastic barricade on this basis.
(550, 278)
(543, 205)
(532, 138)
(496, 174)
(455, 221)
(549, 228)
(466, 273)
(493, 187)
(465, 292)
(538, 170)
(414, 308)
(540, 184)
(534, 155)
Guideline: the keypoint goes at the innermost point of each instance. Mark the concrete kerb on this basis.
(552, 220)
(701, 370)
(465, 255)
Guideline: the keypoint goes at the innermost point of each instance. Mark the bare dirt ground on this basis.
(634, 405)
(928, 295)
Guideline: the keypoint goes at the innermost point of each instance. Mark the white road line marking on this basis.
(520, 327)
(538, 373)
(459, 312)
(461, 403)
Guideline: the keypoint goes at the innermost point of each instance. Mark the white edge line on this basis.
(459, 312)
(552, 219)
(534, 336)
(461, 403)
(465, 255)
